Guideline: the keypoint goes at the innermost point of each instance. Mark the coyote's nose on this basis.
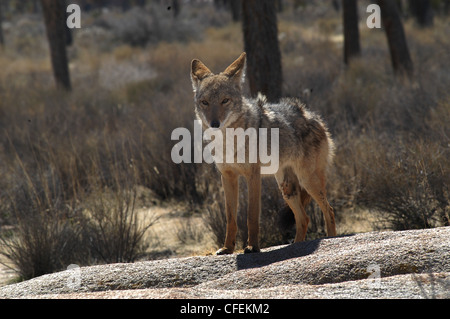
(215, 124)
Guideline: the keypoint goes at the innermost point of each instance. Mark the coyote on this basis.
(305, 149)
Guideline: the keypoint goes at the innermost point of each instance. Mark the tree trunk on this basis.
(352, 47)
(401, 60)
(176, 8)
(235, 6)
(220, 4)
(2, 39)
(259, 22)
(279, 5)
(336, 4)
(55, 23)
(400, 7)
(422, 11)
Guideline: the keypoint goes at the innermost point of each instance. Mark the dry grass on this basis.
(111, 136)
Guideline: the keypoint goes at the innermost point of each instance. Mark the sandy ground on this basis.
(177, 231)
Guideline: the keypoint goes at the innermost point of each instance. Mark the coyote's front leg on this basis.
(254, 209)
(231, 188)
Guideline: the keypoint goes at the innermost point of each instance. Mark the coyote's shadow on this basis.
(245, 261)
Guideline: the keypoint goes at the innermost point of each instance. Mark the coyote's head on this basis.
(218, 98)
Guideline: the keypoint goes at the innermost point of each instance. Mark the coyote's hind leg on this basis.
(315, 185)
(297, 199)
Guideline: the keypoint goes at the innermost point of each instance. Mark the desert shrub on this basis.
(397, 167)
(42, 243)
(140, 27)
(55, 222)
(114, 232)
(409, 186)
(189, 232)
(46, 235)
(52, 231)
(215, 220)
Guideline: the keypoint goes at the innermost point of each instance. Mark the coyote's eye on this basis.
(205, 103)
(225, 101)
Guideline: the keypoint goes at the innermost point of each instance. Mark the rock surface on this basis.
(406, 264)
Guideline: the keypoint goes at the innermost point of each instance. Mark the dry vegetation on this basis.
(73, 165)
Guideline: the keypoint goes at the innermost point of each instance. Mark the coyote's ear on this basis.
(237, 69)
(199, 71)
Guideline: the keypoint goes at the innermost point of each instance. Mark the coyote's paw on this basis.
(251, 249)
(224, 251)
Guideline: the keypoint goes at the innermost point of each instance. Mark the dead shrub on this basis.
(407, 183)
(113, 230)
(47, 229)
